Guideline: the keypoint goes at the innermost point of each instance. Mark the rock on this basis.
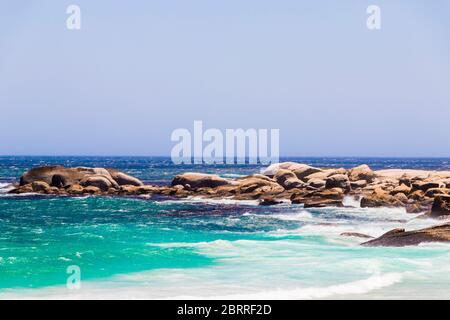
(334, 193)
(417, 195)
(424, 186)
(287, 179)
(356, 234)
(358, 184)
(400, 237)
(362, 172)
(199, 180)
(304, 170)
(320, 203)
(269, 201)
(75, 189)
(338, 181)
(324, 174)
(124, 179)
(431, 193)
(27, 188)
(99, 181)
(252, 183)
(380, 198)
(441, 206)
(401, 189)
(272, 170)
(401, 197)
(40, 186)
(92, 190)
(414, 208)
(316, 183)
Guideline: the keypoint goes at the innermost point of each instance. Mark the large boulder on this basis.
(441, 206)
(325, 173)
(123, 179)
(99, 181)
(251, 183)
(338, 181)
(199, 180)
(380, 198)
(288, 180)
(272, 170)
(362, 172)
(400, 237)
(44, 174)
(304, 170)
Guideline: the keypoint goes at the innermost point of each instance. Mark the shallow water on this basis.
(140, 248)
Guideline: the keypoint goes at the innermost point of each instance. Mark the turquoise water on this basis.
(163, 248)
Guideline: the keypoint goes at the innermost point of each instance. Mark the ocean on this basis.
(136, 248)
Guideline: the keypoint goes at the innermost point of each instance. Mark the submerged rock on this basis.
(356, 234)
(400, 238)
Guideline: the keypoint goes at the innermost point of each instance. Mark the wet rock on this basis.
(269, 201)
(356, 234)
(441, 206)
(400, 237)
(321, 203)
(415, 208)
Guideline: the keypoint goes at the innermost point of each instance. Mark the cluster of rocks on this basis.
(80, 181)
(415, 190)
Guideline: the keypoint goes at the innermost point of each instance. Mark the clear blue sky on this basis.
(139, 69)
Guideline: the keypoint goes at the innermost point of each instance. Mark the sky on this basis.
(138, 70)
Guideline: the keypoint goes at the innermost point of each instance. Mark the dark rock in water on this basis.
(321, 203)
(356, 234)
(414, 208)
(441, 206)
(400, 238)
(269, 202)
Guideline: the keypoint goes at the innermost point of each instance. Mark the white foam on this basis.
(226, 201)
(351, 288)
(5, 187)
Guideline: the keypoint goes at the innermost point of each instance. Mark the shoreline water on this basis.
(152, 248)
